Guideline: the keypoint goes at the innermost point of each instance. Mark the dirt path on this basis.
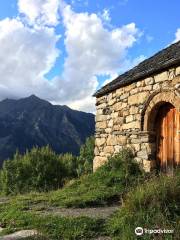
(4, 200)
(96, 212)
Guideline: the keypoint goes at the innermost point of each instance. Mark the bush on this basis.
(153, 204)
(70, 164)
(38, 170)
(85, 159)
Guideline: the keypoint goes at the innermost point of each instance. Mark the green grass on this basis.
(148, 201)
(14, 218)
(104, 187)
(154, 204)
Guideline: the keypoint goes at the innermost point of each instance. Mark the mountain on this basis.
(31, 121)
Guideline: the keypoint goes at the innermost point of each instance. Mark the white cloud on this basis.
(28, 52)
(106, 15)
(40, 11)
(177, 35)
(92, 50)
(26, 55)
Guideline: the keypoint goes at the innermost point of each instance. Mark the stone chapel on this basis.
(140, 109)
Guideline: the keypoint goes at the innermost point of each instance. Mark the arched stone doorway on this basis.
(161, 119)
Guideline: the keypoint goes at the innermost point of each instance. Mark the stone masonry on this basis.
(124, 116)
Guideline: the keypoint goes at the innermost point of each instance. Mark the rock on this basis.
(100, 141)
(101, 125)
(129, 118)
(98, 161)
(137, 98)
(111, 140)
(20, 235)
(149, 81)
(171, 74)
(177, 71)
(161, 77)
(109, 149)
(131, 125)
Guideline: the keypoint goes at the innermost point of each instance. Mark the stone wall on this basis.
(124, 117)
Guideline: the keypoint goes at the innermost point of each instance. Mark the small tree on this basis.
(85, 159)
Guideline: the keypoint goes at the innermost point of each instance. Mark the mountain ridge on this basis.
(32, 121)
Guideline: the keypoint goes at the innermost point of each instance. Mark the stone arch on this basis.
(152, 106)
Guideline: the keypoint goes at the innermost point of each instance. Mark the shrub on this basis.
(38, 170)
(85, 159)
(153, 204)
(70, 164)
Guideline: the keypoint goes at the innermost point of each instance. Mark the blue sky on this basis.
(74, 47)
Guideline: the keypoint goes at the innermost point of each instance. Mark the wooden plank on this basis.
(177, 138)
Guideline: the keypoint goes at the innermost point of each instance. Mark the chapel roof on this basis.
(164, 59)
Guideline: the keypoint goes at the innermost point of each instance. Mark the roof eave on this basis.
(101, 92)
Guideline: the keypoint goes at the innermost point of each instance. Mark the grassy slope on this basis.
(152, 203)
(109, 183)
(14, 218)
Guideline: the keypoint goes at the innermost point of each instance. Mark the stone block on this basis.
(108, 130)
(117, 149)
(117, 106)
(99, 112)
(101, 125)
(131, 125)
(119, 92)
(161, 77)
(111, 102)
(118, 120)
(134, 91)
(100, 118)
(156, 86)
(96, 151)
(117, 127)
(148, 165)
(142, 154)
(134, 110)
(101, 106)
(148, 88)
(109, 149)
(172, 74)
(137, 98)
(110, 123)
(111, 140)
(101, 100)
(124, 96)
(129, 87)
(100, 141)
(114, 115)
(135, 140)
(149, 81)
(137, 147)
(177, 71)
(129, 118)
(121, 140)
(98, 161)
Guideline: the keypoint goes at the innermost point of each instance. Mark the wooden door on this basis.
(167, 135)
